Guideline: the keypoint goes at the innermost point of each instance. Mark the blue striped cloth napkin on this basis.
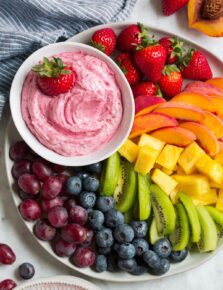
(26, 25)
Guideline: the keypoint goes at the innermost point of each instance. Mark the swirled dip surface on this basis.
(81, 120)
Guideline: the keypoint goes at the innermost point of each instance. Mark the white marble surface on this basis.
(12, 231)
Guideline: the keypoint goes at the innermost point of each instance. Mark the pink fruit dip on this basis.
(81, 120)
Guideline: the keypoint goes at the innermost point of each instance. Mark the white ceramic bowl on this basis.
(105, 150)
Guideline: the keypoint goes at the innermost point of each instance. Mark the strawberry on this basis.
(144, 88)
(127, 65)
(195, 66)
(151, 60)
(130, 37)
(171, 81)
(171, 6)
(105, 40)
(174, 48)
(54, 77)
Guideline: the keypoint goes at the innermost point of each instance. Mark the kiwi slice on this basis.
(110, 174)
(192, 214)
(144, 196)
(153, 233)
(179, 238)
(126, 191)
(209, 237)
(218, 219)
(163, 210)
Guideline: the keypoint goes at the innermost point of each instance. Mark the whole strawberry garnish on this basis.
(195, 66)
(105, 40)
(171, 6)
(126, 63)
(151, 60)
(54, 77)
(130, 37)
(174, 48)
(171, 81)
(144, 88)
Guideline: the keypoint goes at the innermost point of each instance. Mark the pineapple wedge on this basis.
(146, 159)
(169, 156)
(193, 185)
(147, 140)
(207, 198)
(174, 196)
(189, 157)
(167, 171)
(219, 203)
(219, 158)
(165, 182)
(129, 150)
(210, 168)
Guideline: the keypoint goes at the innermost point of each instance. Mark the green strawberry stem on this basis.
(170, 68)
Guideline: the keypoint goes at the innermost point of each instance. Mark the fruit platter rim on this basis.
(107, 276)
(63, 280)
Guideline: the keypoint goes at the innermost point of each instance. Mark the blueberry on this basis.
(126, 251)
(163, 248)
(112, 261)
(123, 234)
(105, 203)
(127, 264)
(140, 228)
(151, 259)
(138, 270)
(26, 271)
(94, 168)
(178, 256)
(100, 264)
(91, 183)
(104, 238)
(104, 251)
(87, 199)
(113, 218)
(163, 268)
(73, 185)
(83, 175)
(116, 247)
(141, 246)
(95, 219)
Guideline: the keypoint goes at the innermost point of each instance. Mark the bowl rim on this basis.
(30, 138)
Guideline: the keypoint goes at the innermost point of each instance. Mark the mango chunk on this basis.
(169, 156)
(146, 159)
(180, 171)
(165, 182)
(129, 150)
(215, 185)
(189, 157)
(207, 198)
(219, 158)
(167, 171)
(219, 203)
(147, 140)
(210, 168)
(193, 185)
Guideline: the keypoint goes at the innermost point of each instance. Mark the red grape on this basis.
(51, 203)
(7, 284)
(30, 210)
(20, 167)
(44, 231)
(58, 168)
(41, 169)
(83, 257)
(64, 249)
(29, 184)
(7, 256)
(51, 187)
(70, 203)
(90, 235)
(74, 233)
(58, 217)
(19, 151)
(78, 215)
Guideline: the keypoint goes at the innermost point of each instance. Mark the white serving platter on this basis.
(194, 259)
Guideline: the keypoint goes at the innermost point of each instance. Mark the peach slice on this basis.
(181, 111)
(205, 137)
(218, 103)
(175, 135)
(217, 82)
(204, 89)
(214, 123)
(150, 122)
(200, 101)
(146, 104)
